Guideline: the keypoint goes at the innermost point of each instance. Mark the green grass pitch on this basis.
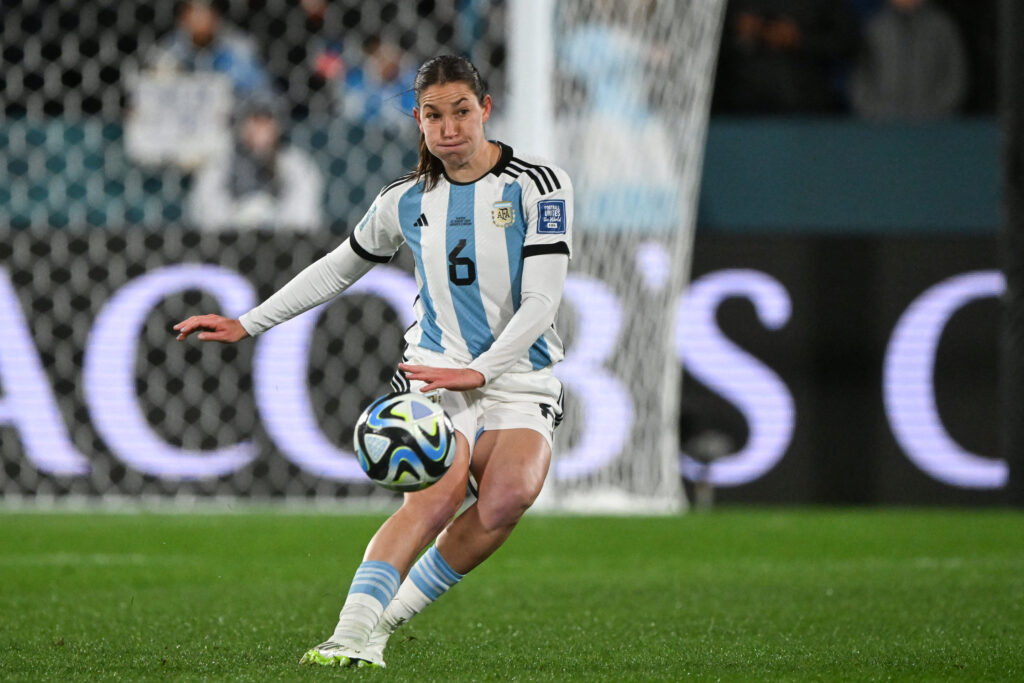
(734, 595)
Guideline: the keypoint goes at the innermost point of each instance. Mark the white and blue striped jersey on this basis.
(469, 242)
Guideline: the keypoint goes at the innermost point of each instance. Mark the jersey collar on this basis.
(503, 159)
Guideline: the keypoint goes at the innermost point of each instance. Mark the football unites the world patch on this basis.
(503, 214)
(551, 217)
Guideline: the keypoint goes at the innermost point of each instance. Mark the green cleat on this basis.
(314, 657)
(336, 654)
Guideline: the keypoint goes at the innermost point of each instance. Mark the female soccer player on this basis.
(491, 235)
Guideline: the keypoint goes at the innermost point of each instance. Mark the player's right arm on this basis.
(319, 282)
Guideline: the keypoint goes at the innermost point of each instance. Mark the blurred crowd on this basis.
(368, 81)
(885, 60)
(261, 181)
(235, 113)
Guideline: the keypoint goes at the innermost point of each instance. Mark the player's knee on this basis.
(505, 507)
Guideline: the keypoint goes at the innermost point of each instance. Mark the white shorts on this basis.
(513, 400)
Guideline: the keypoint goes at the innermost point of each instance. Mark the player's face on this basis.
(452, 122)
(200, 20)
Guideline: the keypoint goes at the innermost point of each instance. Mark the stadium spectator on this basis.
(262, 183)
(303, 45)
(912, 66)
(201, 42)
(781, 56)
(378, 90)
(323, 62)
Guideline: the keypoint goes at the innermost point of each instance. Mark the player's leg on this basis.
(389, 554)
(423, 515)
(519, 413)
(510, 466)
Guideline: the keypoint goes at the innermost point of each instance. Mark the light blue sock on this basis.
(428, 580)
(432, 575)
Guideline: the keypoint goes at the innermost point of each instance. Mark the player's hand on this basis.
(454, 379)
(211, 327)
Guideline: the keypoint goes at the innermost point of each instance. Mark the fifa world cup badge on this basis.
(503, 214)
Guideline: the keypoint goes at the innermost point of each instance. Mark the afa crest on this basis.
(503, 214)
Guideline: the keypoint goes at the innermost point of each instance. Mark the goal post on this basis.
(618, 93)
(531, 76)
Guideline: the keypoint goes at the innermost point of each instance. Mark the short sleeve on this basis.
(378, 235)
(548, 203)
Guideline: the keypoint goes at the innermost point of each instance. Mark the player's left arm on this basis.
(543, 282)
(547, 249)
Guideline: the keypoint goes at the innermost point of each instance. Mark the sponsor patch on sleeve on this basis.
(551, 217)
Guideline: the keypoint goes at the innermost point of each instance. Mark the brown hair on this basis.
(438, 71)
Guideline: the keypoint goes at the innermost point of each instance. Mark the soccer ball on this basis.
(404, 441)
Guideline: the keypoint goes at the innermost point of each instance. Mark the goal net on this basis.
(99, 254)
(631, 86)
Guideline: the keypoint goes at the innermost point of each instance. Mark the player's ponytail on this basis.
(438, 71)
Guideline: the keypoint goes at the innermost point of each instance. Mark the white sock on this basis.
(373, 587)
(428, 580)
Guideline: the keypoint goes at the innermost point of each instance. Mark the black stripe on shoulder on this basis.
(554, 177)
(547, 172)
(540, 249)
(363, 254)
(541, 184)
(538, 178)
(392, 185)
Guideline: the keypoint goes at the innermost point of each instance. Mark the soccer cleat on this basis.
(336, 654)
(374, 650)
